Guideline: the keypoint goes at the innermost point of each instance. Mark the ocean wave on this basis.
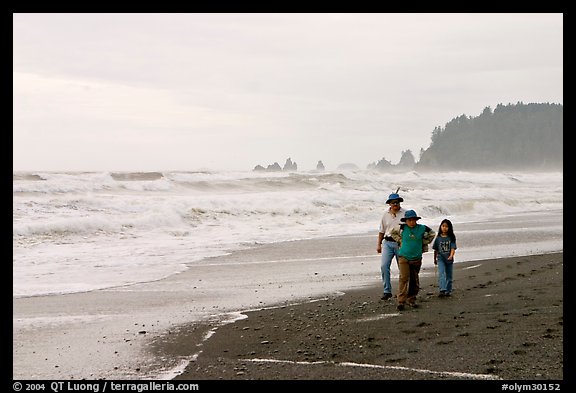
(62, 183)
(142, 225)
(136, 176)
(180, 202)
(26, 177)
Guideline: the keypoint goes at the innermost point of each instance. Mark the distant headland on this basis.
(510, 137)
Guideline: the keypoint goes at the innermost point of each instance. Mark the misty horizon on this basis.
(228, 91)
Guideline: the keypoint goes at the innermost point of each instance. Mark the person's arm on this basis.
(379, 246)
(452, 252)
(396, 234)
(428, 236)
(435, 257)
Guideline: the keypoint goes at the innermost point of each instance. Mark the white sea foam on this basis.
(82, 231)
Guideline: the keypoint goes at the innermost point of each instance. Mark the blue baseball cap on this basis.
(394, 197)
(410, 214)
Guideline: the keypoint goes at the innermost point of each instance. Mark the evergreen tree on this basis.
(520, 136)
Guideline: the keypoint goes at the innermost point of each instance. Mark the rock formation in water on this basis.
(288, 166)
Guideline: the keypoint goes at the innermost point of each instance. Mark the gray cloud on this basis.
(184, 91)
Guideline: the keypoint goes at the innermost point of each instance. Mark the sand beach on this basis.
(301, 310)
(504, 321)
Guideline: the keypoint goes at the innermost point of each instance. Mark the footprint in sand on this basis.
(444, 342)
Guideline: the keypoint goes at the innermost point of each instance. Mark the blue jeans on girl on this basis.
(445, 274)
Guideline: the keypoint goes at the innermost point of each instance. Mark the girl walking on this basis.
(444, 249)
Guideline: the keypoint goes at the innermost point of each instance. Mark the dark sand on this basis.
(504, 321)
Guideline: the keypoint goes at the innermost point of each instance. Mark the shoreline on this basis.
(105, 334)
(503, 322)
(114, 333)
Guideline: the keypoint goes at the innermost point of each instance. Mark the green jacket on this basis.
(413, 242)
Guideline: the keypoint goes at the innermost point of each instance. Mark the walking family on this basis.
(401, 237)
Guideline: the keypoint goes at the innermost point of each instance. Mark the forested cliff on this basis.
(520, 136)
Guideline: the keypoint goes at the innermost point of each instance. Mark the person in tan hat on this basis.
(413, 239)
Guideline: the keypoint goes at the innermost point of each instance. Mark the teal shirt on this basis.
(412, 242)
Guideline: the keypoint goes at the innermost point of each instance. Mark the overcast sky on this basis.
(230, 91)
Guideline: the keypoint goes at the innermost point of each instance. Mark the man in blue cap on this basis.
(387, 246)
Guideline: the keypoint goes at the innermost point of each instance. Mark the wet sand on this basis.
(504, 321)
(105, 334)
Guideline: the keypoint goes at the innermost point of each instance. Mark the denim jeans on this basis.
(445, 274)
(389, 251)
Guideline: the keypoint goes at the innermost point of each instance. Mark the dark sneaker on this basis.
(442, 294)
(413, 305)
(386, 296)
(447, 294)
(400, 307)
